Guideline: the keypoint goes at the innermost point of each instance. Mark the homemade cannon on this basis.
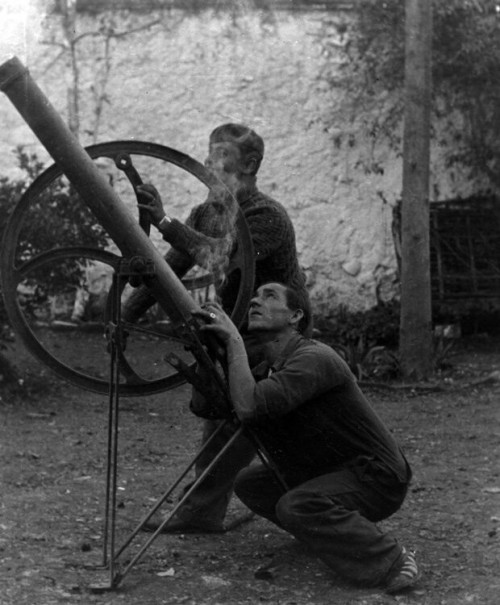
(26, 268)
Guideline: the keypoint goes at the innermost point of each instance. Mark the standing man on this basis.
(234, 157)
(342, 467)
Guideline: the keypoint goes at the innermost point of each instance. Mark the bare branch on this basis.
(59, 44)
(54, 61)
(111, 34)
(136, 29)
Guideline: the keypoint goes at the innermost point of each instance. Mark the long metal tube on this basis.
(91, 184)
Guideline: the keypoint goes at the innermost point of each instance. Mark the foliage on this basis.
(442, 349)
(376, 326)
(368, 340)
(53, 217)
(10, 192)
(56, 215)
(374, 362)
(365, 339)
(465, 66)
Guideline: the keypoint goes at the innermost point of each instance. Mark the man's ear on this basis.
(250, 164)
(295, 318)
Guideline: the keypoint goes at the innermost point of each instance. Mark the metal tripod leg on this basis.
(111, 471)
(111, 557)
(266, 458)
(169, 491)
(108, 558)
(119, 576)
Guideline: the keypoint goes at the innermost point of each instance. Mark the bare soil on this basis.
(54, 451)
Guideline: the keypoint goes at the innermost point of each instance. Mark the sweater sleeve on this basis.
(204, 234)
(190, 241)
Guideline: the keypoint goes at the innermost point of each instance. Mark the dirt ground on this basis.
(54, 450)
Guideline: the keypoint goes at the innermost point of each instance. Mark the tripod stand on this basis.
(111, 553)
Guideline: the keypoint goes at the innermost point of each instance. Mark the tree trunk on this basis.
(416, 313)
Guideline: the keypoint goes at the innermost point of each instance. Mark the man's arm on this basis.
(200, 248)
(240, 378)
(239, 375)
(308, 372)
(207, 233)
(141, 299)
(201, 225)
(303, 376)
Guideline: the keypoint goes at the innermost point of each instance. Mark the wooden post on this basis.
(416, 312)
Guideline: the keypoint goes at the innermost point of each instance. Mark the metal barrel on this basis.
(93, 187)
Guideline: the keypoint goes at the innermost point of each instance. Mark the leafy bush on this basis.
(57, 215)
(368, 340)
(54, 216)
(376, 326)
(365, 339)
(10, 192)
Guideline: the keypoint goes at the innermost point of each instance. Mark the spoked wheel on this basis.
(48, 265)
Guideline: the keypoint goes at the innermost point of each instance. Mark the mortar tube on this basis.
(93, 187)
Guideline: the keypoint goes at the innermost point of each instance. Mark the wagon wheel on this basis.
(42, 266)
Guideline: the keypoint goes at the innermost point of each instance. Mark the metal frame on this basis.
(112, 553)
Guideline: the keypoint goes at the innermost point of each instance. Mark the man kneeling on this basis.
(343, 469)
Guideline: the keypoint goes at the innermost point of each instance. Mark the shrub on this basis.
(365, 339)
(376, 326)
(54, 216)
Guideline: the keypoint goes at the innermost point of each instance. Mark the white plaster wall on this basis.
(173, 84)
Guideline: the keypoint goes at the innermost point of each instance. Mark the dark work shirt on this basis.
(313, 418)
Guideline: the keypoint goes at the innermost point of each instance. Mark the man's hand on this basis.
(218, 322)
(151, 201)
(241, 381)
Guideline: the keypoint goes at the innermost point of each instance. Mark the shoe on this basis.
(180, 526)
(405, 576)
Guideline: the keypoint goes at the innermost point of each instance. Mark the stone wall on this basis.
(174, 82)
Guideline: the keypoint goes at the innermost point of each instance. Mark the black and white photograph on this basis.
(250, 302)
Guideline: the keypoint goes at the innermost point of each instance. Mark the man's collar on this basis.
(290, 346)
(264, 369)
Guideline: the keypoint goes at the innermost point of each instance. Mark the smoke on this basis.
(214, 256)
(22, 26)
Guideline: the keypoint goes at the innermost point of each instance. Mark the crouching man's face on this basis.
(269, 311)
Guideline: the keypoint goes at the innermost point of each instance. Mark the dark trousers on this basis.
(335, 515)
(208, 503)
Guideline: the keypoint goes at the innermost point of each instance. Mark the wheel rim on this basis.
(16, 272)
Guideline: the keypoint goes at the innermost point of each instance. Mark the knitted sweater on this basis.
(271, 231)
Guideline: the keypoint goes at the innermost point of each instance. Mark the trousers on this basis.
(335, 515)
(207, 505)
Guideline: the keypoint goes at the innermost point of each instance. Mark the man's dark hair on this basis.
(299, 299)
(248, 141)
